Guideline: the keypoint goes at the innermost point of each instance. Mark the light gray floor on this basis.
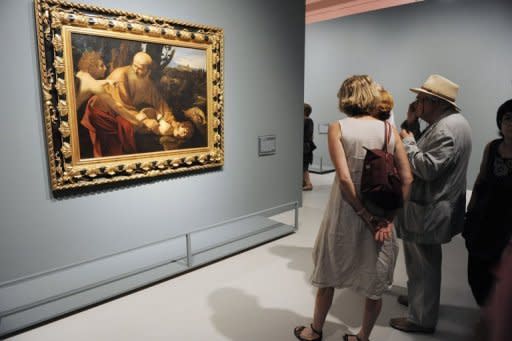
(262, 294)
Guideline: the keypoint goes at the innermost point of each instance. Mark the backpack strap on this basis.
(387, 135)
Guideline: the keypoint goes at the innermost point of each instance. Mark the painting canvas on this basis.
(127, 96)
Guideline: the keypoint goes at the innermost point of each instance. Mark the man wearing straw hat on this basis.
(435, 213)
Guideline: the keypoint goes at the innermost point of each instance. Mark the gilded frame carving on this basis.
(57, 22)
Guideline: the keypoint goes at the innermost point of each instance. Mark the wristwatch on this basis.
(409, 141)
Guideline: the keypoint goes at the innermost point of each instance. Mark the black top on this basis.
(488, 226)
(309, 145)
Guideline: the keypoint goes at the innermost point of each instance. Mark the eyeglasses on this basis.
(428, 99)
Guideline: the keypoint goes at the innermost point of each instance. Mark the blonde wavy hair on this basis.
(385, 105)
(358, 95)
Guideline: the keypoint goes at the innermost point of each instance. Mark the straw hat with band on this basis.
(440, 87)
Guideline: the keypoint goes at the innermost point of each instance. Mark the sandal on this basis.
(299, 330)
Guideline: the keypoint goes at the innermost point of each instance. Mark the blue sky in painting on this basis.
(193, 58)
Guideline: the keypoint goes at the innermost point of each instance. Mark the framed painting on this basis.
(127, 96)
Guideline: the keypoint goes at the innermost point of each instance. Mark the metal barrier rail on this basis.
(189, 254)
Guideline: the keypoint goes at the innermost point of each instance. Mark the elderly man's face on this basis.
(424, 106)
(141, 69)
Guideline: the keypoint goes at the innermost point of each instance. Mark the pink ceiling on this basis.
(319, 10)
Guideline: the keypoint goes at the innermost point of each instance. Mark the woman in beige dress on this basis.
(355, 249)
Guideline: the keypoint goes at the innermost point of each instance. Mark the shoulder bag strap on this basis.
(387, 135)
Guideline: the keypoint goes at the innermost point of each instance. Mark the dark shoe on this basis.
(403, 300)
(298, 330)
(346, 336)
(403, 324)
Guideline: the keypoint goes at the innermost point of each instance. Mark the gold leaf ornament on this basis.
(58, 19)
(63, 108)
(214, 156)
(101, 23)
(66, 150)
(137, 28)
(170, 33)
(154, 31)
(199, 37)
(130, 169)
(189, 160)
(61, 87)
(176, 163)
(202, 158)
(58, 63)
(57, 42)
(161, 165)
(185, 35)
(81, 20)
(111, 170)
(120, 26)
(64, 129)
(147, 166)
(93, 172)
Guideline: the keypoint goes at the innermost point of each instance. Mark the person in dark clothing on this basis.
(309, 146)
(488, 227)
(499, 309)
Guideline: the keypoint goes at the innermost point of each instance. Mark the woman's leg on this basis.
(372, 310)
(323, 303)
(307, 185)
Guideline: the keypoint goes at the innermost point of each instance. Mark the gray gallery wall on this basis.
(264, 58)
(468, 41)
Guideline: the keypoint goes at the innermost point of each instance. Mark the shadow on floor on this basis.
(300, 258)
(239, 316)
(455, 322)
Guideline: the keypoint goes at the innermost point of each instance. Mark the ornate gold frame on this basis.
(55, 20)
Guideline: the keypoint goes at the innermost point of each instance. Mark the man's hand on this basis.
(151, 125)
(405, 133)
(412, 116)
(141, 116)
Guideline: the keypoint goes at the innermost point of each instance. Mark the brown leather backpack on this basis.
(381, 187)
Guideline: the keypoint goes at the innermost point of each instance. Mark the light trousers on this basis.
(423, 264)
